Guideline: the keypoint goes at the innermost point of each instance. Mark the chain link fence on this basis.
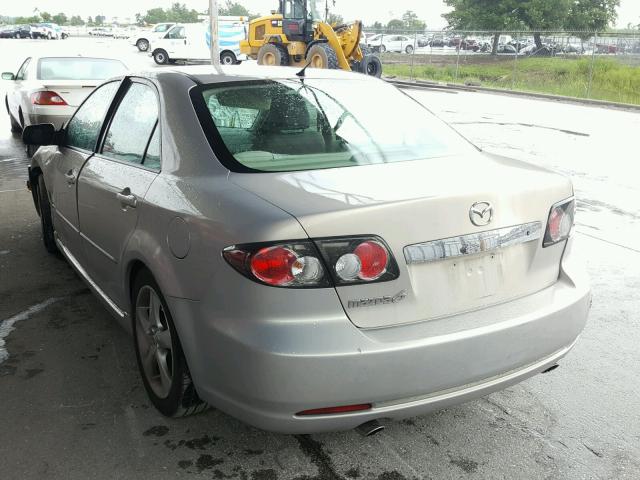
(602, 66)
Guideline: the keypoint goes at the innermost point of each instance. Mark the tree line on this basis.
(537, 16)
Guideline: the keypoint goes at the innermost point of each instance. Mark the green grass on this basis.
(612, 80)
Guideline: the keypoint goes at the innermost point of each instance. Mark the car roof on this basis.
(206, 74)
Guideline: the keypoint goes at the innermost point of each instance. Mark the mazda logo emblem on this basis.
(481, 214)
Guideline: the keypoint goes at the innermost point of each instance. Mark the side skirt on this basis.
(113, 308)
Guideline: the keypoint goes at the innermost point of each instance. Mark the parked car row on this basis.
(50, 31)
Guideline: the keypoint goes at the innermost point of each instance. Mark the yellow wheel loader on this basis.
(296, 35)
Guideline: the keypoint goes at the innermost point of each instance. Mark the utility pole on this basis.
(215, 42)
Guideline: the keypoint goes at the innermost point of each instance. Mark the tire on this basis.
(64, 36)
(31, 150)
(321, 55)
(371, 65)
(49, 37)
(46, 222)
(382, 49)
(409, 50)
(143, 45)
(228, 58)
(273, 55)
(161, 361)
(15, 126)
(161, 57)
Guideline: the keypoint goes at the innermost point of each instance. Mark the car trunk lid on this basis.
(72, 91)
(413, 203)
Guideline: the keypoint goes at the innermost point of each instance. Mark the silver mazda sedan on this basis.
(281, 251)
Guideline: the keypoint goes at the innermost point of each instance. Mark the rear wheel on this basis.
(143, 45)
(31, 150)
(371, 65)
(161, 57)
(161, 361)
(321, 55)
(273, 55)
(228, 58)
(15, 126)
(46, 222)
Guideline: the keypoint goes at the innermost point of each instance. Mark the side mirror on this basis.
(41, 135)
(8, 76)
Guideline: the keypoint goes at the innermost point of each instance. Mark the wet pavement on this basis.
(72, 405)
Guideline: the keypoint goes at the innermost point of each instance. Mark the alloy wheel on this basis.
(155, 344)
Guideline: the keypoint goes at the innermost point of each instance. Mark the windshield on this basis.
(316, 9)
(79, 68)
(288, 125)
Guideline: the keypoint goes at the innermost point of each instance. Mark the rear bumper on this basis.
(403, 371)
(58, 121)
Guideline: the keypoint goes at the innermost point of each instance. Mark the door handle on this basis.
(127, 199)
(71, 177)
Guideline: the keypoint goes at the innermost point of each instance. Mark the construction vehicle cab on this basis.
(297, 35)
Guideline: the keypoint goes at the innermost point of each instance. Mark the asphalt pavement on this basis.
(72, 405)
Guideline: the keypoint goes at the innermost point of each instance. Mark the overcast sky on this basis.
(366, 10)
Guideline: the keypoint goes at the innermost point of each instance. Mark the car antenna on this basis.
(302, 73)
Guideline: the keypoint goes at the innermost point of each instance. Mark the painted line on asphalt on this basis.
(11, 191)
(10, 159)
(7, 325)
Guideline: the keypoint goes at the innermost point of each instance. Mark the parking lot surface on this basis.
(72, 405)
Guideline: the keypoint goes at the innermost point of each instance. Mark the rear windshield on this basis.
(291, 125)
(79, 68)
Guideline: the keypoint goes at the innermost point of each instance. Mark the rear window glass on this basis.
(290, 125)
(79, 68)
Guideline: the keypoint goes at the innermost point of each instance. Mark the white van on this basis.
(142, 38)
(191, 42)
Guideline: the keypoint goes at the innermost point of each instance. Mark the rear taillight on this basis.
(289, 264)
(47, 98)
(560, 223)
(320, 263)
(358, 260)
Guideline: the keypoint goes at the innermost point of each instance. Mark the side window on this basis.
(177, 34)
(132, 125)
(83, 129)
(152, 157)
(162, 28)
(21, 75)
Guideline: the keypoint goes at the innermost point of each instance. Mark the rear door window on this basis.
(83, 129)
(132, 126)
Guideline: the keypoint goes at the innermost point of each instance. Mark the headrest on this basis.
(288, 112)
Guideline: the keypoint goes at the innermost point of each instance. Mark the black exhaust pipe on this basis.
(551, 369)
(370, 428)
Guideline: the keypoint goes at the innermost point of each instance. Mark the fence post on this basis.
(413, 54)
(458, 60)
(593, 64)
(515, 65)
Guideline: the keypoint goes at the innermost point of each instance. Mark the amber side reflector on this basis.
(336, 410)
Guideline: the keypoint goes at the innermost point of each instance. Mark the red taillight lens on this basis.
(373, 258)
(358, 260)
(336, 410)
(560, 222)
(274, 266)
(295, 264)
(47, 98)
